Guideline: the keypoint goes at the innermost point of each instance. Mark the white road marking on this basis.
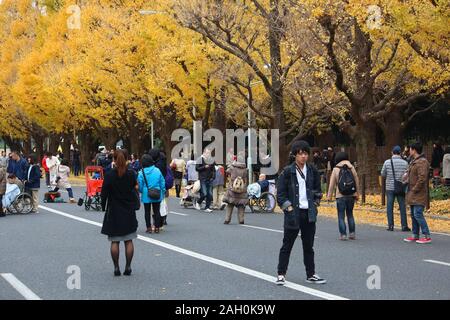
(20, 287)
(71, 216)
(438, 262)
(266, 229)
(180, 214)
(222, 263)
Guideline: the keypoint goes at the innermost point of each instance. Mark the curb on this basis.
(383, 211)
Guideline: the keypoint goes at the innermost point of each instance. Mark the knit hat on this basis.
(396, 150)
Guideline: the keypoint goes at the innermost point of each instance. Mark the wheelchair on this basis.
(22, 204)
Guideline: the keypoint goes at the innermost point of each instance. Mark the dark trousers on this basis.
(76, 169)
(206, 193)
(156, 214)
(1, 205)
(178, 189)
(47, 178)
(308, 231)
(345, 208)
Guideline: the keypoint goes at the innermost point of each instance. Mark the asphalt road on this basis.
(198, 257)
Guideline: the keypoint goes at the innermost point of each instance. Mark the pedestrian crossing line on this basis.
(222, 263)
(438, 262)
(20, 287)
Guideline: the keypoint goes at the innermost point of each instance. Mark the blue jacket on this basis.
(155, 179)
(288, 195)
(18, 168)
(34, 179)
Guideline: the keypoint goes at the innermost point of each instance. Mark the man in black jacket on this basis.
(298, 194)
(206, 174)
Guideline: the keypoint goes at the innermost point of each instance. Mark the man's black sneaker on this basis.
(316, 280)
(390, 228)
(406, 229)
(281, 280)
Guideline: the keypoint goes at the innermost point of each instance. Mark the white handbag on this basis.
(163, 209)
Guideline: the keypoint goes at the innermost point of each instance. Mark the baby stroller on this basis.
(191, 194)
(16, 200)
(94, 182)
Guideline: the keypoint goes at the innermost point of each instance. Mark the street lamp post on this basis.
(145, 13)
(152, 135)
(249, 130)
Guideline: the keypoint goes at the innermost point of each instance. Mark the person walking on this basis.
(446, 167)
(62, 179)
(152, 187)
(3, 178)
(236, 195)
(119, 197)
(178, 166)
(33, 182)
(299, 193)
(46, 170)
(345, 179)
(436, 159)
(206, 173)
(192, 174)
(393, 171)
(160, 159)
(52, 163)
(76, 161)
(218, 184)
(416, 197)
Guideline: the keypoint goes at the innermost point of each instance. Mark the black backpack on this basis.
(346, 182)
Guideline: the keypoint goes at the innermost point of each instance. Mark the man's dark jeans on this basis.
(390, 209)
(345, 207)
(206, 192)
(308, 231)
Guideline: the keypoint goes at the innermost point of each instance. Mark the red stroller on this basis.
(94, 182)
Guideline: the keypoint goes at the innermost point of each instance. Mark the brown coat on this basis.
(2, 180)
(335, 178)
(235, 170)
(418, 182)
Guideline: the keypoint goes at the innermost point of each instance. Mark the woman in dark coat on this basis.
(436, 158)
(119, 197)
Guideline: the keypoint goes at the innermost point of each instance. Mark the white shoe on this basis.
(281, 280)
(197, 206)
(208, 210)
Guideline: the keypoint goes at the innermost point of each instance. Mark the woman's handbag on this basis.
(153, 193)
(137, 200)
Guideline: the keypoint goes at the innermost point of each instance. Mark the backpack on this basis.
(238, 185)
(169, 179)
(346, 182)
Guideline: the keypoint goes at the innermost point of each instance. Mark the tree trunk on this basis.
(86, 148)
(393, 131)
(367, 156)
(54, 143)
(39, 146)
(66, 146)
(110, 138)
(277, 92)
(27, 146)
(14, 145)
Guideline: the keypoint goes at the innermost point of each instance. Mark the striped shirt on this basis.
(400, 167)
